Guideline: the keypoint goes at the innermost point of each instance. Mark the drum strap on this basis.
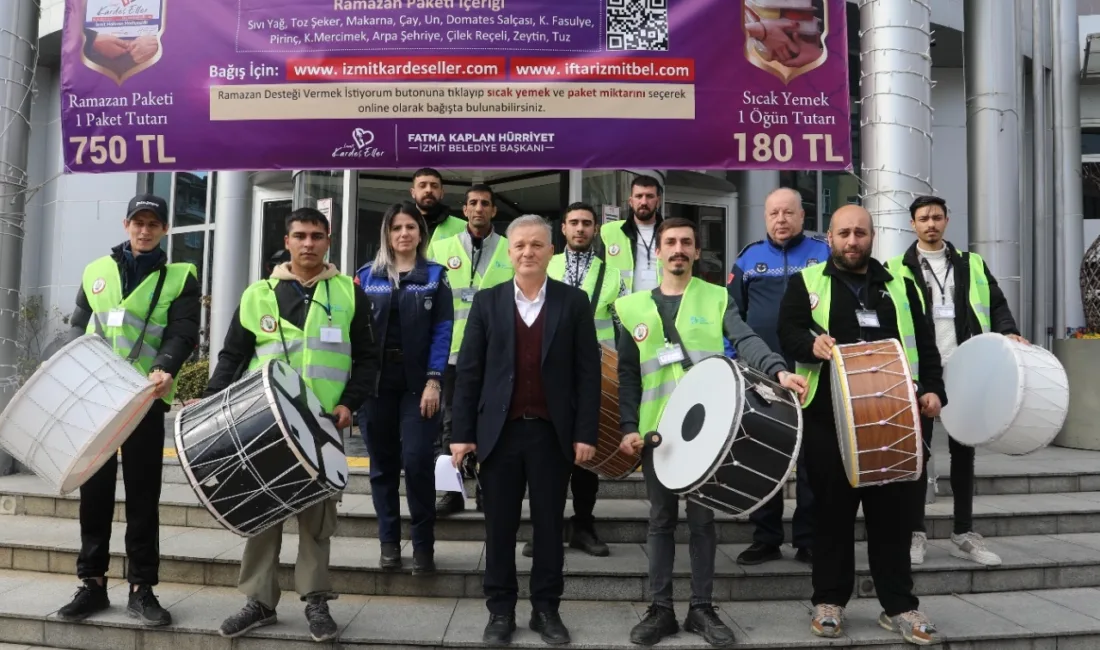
(134, 353)
(599, 284)
(673, 336)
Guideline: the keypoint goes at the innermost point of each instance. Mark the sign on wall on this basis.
(336, 84)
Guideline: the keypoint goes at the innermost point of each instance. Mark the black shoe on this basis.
(90, 598)
(703, 620)
(528, 549)
(478, 503)
(145, 607)
(251, 616)
(390, 559)
(321, 625)
(586, 540)
(550, 626)
(759, 553)
(449, 504)
(499, 630)
(805, 556)
(423, 562)
(658, 623)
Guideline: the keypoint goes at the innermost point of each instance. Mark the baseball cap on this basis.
(148, 203)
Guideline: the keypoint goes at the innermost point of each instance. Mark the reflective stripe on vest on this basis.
(977, 293)
(102, 286)
(325, 367)
(452, 255)
(609, 292)
(699, 324)
(820, 285)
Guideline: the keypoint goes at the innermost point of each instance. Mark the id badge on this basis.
(115, 317)
(943, 311)
(467, 294)
(331, 335)
(671, 354)
(867, 318)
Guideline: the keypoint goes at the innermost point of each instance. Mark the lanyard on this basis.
(305, 298)
(649, 244)
(856, 291)
(942, 285)
(475, 256)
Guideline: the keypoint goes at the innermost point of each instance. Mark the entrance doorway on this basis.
(270, 209)
(715, 216)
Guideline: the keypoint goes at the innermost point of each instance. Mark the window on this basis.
(190, 197)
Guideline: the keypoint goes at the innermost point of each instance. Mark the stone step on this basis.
(617, 520)
(1068, 619)
(212, 557)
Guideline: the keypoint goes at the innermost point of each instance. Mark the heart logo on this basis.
(362, 138)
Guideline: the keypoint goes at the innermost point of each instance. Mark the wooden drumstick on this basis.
(652, 440)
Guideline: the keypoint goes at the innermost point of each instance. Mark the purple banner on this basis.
(337, 84)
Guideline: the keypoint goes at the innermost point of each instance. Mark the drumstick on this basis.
(652, 440)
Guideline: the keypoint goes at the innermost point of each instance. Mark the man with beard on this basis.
(961, 299)
(580, 267)
(666, 331)
(476, 259)
(853, 298)
(427, 193)
(630, 243)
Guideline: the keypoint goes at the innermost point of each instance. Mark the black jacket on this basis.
(240, 344)
(966, 321)
(486, 367)
(796, 321)
(181, 335)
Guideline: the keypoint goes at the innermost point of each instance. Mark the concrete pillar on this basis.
(991, 55)
(232, 242)
(752, 190)
(1069, 226)
(896, 118)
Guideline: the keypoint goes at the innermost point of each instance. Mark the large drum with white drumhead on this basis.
(729, 437)
(260, 451)
(74, 412)
(1003, 395)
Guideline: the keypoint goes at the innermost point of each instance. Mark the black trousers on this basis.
(768, 518)
(142, 467)
(526, 458)
(584, 485)
(962, 481)
(443, 440)
(887, 511)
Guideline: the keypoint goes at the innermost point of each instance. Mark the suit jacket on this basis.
(571, 360)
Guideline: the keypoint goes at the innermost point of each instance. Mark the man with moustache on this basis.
(630, 244)
(757, 283)
(854, 298)
(580, 267)
(476, 259)
(427, 193)
(961, 299)
(665, 331)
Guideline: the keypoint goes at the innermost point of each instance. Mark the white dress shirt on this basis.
(529, 309)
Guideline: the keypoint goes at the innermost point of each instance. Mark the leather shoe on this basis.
(449, 504)
(528, 549)
(805, 556)
(499, 630)
(550, 626)
(586, 540)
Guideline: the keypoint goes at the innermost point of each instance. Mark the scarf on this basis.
(576, 266)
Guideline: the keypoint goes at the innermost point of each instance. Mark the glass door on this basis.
(270, 210)
(715, 217)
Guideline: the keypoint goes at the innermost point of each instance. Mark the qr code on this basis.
(637, 25)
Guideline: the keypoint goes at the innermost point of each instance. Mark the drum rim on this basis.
(738, 413)
(80, 341)
(912, 407)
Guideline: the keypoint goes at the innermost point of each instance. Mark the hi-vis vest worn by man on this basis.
(609, 291)
(620, 252)
(699, 324)
(465, 280)
(820, 288)
(321, 352)
(977, 293)
(121, 321)
(450, 227)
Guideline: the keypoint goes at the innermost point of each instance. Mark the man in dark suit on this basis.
(525, 437)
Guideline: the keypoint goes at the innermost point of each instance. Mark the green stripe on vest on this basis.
(451, 254)
(620, 252)
(977, 293)
(609, 292)
(450, 227)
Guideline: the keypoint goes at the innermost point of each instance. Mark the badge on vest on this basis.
(672, 353)
(331, 335)
(946, 312)
(613, 249)
(99, 285)
(867, 318)
(641, 331)
(467, 294)
(428, 303)
(116, 317)
(814, 299)
(268, 323)
(455, 262)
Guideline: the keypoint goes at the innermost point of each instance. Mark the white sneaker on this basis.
(971, 546)
(916, 551)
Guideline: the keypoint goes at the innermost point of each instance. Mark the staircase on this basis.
(1041, 513)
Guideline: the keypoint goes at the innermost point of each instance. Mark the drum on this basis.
(74, 412)
(258, 452)
(609, 462)
(729, 437)
(876, 412)
(1005, 396)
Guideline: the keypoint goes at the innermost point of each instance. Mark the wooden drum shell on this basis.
(609, 462)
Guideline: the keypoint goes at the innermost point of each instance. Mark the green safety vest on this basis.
(609, 292)
(461, 275)
(977, 293)
(699, 322)
(103, 287)
(325, 367)
(450, 227)
(820, 288)
(620, 252)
